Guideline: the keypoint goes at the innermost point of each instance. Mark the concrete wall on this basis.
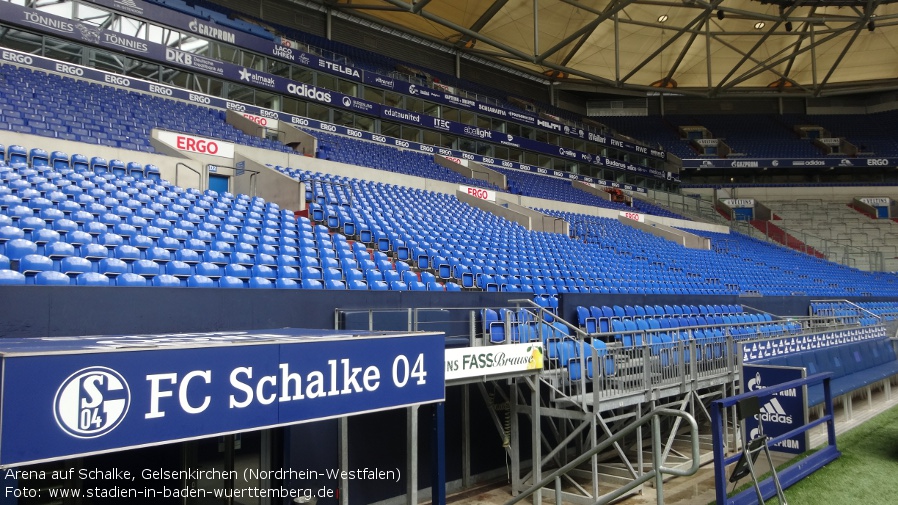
(674, 235)
(243, 124)
(525, 219)
(582, 186)
(473, 170)
(302, 142)
(689, 225)
(283, 190)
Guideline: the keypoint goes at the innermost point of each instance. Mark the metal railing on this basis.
(200, 181)
(658, 469)
(586, 370)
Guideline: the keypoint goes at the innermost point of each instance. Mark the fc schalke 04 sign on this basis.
(68, 397)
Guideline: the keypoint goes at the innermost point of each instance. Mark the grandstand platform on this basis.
(464, 278)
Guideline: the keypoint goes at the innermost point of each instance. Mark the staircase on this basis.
(779, 235)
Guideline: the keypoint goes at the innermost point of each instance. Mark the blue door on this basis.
(218, 183)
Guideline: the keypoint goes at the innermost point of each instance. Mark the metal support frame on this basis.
(569, 419)
(411, 455)
(815, 30)
(657, 472)
(343, 445)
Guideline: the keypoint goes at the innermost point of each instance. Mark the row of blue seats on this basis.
(849, 313)
(59, 160)
(598, 319)
(887, 311)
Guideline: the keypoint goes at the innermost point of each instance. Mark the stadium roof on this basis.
(700, 47)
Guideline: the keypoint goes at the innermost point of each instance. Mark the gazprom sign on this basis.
(69, 397)
(781, 412)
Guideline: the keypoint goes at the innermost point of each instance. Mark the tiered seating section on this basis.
(841, 231)
(639, 262)
(606, 319)
(863, 313)
(72, 221)
(49, 105)
(870, 133)
(756, 136)
(421, 240)
(629, 340)
(353, 56)
(766, 136)
(75, 110)
(369, 154)
(653, 131)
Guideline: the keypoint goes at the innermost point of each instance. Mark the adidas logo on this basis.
(774, 412)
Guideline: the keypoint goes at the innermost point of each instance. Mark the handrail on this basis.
(657, 471)
(180, 164)
(576, 331)
(874, 315)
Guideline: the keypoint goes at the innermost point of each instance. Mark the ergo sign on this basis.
(635, 216)
(261, 121)
(199, 145)
(483, 194)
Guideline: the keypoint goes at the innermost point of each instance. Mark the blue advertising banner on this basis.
(790, 163)
(65, 397)
(121, 43)
(777, 346)
(281, 49)
(298, 121)
(781, 412)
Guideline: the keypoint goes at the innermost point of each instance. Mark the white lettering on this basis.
(18, 58)
(69, 69)
(206, 375)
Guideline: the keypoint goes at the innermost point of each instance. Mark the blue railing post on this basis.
(717, 434)
(789, 475)
(438, 479)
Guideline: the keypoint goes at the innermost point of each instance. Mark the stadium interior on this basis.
(191, 167)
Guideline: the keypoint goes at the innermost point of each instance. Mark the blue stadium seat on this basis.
(52, 278)
(92, 279)
(11, 277)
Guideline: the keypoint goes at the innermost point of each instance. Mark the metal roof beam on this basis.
(585, 30)
(751, 51)
(676, 64)
(484, 18)
(510, 50)
(669, 42)
(760, 64)
(861, 24)
(754, 72)
(418, 5)
(804, 34)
